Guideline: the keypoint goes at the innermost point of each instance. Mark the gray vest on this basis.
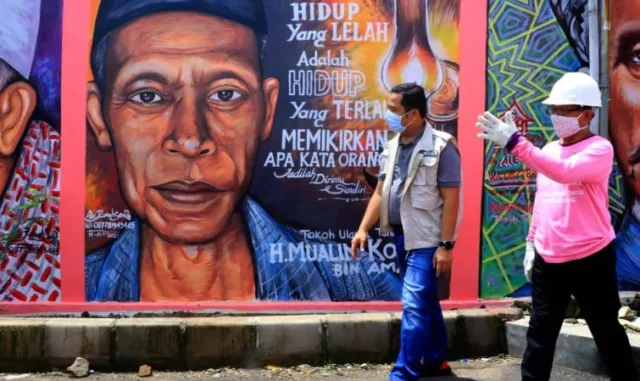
(421, 203)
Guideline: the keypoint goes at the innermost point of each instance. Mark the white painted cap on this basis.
(19, 33)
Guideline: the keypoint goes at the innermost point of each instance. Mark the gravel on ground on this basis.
(491, 369)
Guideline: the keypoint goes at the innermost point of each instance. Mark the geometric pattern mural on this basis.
(527, 53)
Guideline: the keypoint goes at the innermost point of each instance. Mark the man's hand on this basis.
(442, 260)
(529, 256)
(359, 241)
(496, 130)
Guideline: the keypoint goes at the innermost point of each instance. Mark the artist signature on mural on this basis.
(114, 215)
(100, 223)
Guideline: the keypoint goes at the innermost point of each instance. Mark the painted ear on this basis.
(271, 89)
(95, 118)
(17, 102)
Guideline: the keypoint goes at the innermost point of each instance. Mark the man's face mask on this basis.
(566, 126)
(394, 121)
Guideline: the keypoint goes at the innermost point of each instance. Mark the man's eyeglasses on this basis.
(554, 110)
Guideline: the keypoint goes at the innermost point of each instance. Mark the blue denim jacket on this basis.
(113, 272)
(628, 253)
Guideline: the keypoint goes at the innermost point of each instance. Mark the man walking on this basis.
(418, 197)
(570, 243)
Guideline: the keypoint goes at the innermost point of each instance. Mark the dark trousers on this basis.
(592, 281)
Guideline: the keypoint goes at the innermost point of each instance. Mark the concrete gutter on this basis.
(575, 347)
(175, 343)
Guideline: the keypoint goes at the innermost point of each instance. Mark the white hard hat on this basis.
(19, 33)
(575, 89)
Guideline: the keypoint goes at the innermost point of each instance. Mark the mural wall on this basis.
(530, 46)
(30, 59)
(231, 150)
(624, 129)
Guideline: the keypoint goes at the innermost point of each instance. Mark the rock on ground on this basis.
(144, 371)
(79, 368)
(626, 313)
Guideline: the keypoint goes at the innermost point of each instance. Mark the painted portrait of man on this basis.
(624, 130)
(29, 150)
(180, 99)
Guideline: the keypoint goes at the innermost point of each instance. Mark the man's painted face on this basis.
(185, 108)
(624, 112)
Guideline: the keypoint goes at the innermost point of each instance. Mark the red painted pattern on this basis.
(30, 265)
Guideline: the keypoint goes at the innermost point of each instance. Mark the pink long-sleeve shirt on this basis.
(571, 218)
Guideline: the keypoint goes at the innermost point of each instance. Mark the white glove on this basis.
(496, 130)
(529, 256)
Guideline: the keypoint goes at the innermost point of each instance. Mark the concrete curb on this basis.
(575, 347)
(627, 298)
(39, 344)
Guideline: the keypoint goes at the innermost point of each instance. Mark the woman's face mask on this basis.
(394, 121)
(566, 126)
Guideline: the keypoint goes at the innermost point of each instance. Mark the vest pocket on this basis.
(427, 172)
(424, 190)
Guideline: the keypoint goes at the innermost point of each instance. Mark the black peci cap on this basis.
(113, 14)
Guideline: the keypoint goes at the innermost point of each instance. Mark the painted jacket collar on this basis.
(627, 246)
(113, 272)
